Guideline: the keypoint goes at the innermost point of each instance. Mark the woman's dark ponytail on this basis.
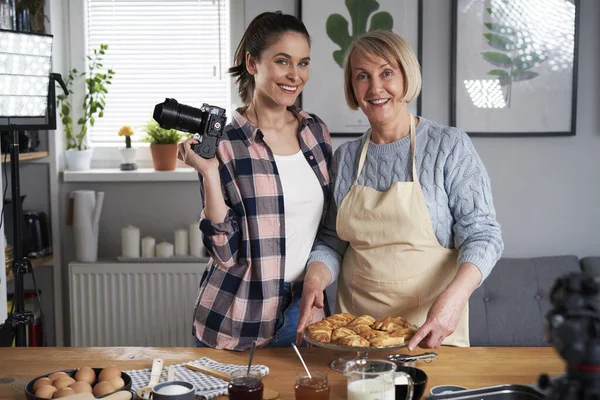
(263, 31)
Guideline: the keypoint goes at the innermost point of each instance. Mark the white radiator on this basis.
(133, 304)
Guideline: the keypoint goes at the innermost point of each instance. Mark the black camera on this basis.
(207, 123)
(573, 327)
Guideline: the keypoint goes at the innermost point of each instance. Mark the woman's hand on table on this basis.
(446, 310)
(441, 322)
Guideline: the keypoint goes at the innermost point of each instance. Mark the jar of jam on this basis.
(314, 388)
(245, 386)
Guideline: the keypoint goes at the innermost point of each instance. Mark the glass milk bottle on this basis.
(374, 380)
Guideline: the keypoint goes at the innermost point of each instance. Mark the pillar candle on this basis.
(196, 246)
(130, 242)
(181, 242)
(148, 247)
(164, 250)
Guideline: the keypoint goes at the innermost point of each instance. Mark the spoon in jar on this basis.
(302, 360)
(251, 356)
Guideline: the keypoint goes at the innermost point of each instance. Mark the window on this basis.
(158, 49)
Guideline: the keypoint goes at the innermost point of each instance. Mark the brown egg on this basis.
(62, 383)
(57, 375)
(41, 382)
(64, 392)
(117, 382)
(103, 388)
(45, 392)
(108, 372)
(81, 386)
(85, 374)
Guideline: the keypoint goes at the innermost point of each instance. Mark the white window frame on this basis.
(109, 157)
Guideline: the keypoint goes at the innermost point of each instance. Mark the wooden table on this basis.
(471, 367)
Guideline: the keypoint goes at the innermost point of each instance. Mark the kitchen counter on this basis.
(471, 367)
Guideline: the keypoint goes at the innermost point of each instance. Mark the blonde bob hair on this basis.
(395, 50)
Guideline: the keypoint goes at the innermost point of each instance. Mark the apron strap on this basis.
(363, 156)
(413, 148)
(363, 152)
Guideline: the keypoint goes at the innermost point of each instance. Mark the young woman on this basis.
(263, 195)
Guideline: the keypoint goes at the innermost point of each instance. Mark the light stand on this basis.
(19, 319)
(27, 102)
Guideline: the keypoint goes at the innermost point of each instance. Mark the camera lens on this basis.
(172, 115)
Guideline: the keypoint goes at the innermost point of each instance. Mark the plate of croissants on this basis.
(364, 333)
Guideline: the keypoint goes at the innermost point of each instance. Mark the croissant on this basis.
(385, 341)
(361, 329)
(339, 320)
(341, 333)
(371, 334)
(362, 320)
(405, 333)
(390, 324)
(319, 334)
(354, 341)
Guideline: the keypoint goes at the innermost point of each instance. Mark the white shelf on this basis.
(139, 175)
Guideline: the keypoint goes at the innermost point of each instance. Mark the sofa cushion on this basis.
(590, 265)
(509, 308)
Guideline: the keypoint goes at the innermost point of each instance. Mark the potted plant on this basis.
(163, 145)
(79, 155)
(127, 152)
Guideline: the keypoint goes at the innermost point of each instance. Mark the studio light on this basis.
(26, 83)
(27, 102)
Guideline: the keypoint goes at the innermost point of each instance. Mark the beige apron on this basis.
(394, 264)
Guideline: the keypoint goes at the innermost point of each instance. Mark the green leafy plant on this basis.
(514, 57)
(93, 103)
(157, 135)
(360, 10)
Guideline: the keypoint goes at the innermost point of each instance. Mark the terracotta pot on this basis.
(164, 156)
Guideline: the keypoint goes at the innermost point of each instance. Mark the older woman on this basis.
(411, 227)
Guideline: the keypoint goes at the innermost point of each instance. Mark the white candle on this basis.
(148, 247)
(196, 246)
(130, 242)
(164, 250)
(181, 242)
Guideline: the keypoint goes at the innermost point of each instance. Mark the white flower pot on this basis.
(79, 160)
(127, 155)
(128, 158)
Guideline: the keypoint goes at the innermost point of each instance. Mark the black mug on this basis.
(419, 378)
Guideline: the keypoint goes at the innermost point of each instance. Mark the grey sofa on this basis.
(591, 265)
(508, 309)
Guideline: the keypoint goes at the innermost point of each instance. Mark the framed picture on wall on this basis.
(332, 25)
(514, 67)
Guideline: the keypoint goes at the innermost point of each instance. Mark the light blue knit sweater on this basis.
(455, 184)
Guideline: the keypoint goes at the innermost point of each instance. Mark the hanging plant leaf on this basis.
(497, 59)
(499, 42)
(499, 28)
(498, 72)
(524, 75)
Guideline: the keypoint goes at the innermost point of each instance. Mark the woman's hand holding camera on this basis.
(186, 154)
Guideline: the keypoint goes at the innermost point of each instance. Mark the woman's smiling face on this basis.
(378, 87)
(282, 71)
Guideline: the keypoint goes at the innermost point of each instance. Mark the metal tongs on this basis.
(407, 358)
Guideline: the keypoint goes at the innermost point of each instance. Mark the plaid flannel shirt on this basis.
(240, 293)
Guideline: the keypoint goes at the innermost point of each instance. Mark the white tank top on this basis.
(303, 204)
